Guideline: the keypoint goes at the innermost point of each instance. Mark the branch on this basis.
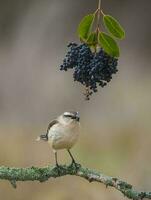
(43, 174)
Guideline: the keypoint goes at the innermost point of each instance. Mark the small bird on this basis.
(62, 133)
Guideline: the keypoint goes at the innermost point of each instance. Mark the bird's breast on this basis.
(62, 136)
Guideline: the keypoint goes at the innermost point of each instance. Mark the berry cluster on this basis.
(90, 68)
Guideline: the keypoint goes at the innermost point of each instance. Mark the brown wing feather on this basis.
(51, 124)
(45, 136)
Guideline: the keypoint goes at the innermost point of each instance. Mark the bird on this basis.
(62, 133)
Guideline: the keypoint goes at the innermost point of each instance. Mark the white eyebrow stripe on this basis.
(68, 113)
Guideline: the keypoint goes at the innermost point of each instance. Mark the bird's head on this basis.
(70, 116)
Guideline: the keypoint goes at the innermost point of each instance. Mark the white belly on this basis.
(61, 137)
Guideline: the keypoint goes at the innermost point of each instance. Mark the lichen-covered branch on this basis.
(43, 174)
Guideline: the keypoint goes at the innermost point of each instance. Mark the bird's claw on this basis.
(75, 165)
(59, 169)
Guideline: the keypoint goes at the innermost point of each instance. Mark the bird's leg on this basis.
(59, 168)
(73, 160)
(57, 165)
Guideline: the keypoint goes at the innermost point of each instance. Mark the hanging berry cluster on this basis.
(95, 59)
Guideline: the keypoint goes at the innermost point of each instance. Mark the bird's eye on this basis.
(68, 116)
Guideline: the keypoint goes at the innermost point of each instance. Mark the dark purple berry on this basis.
(90, 69)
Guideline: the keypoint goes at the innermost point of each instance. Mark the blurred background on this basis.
(116, 127)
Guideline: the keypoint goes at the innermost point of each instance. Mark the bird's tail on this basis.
(43, 137)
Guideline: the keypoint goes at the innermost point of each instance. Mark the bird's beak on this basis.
(77, 118)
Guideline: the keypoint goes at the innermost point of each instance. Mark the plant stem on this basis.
(99, 13)
(99, 5)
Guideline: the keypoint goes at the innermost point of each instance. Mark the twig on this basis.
(43, 174)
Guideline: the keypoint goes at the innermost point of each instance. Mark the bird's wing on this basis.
(45, 136)
(51, 124)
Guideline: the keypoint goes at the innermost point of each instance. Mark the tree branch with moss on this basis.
(43, 174)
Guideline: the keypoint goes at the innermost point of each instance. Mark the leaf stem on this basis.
(102, 13)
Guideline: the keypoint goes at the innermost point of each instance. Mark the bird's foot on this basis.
(75, 165)
(59, 169)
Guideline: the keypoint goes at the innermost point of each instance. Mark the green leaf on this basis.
(113, 27)
(85, 26)
(109, 44)
(92, 39)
